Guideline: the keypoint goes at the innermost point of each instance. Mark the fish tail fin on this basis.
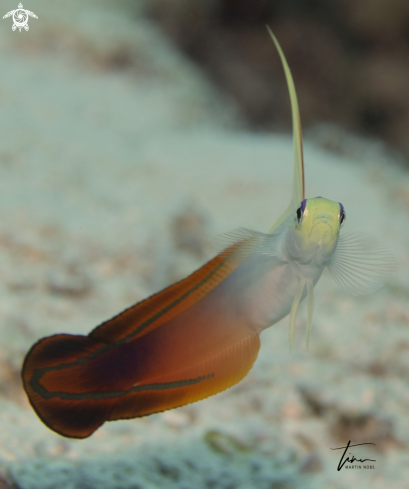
(57, 384)
(76, 383)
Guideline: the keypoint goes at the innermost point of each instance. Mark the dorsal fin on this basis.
(298, 179)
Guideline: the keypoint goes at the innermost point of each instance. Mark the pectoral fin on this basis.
(361, 264)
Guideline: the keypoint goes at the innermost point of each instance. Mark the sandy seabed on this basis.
(119, 164)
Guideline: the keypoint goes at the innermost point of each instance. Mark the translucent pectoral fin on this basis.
(361, 264)
(294, 309)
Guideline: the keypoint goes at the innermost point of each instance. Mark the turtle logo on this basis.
(20, 17)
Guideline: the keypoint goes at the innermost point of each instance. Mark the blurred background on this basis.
(133, 132)
(349, 59)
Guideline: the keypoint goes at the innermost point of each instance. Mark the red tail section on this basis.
(179, 346)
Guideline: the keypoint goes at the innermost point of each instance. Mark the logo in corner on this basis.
(20, 17)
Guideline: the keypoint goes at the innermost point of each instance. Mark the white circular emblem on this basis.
(20, 18)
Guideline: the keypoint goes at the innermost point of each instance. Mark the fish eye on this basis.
(299, 214)
(342, 218)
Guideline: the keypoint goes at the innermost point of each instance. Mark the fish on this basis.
(201, 335)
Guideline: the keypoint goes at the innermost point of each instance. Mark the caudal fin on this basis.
(75, 383)
(59, 400)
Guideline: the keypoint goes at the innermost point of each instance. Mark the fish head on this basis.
(313, 234)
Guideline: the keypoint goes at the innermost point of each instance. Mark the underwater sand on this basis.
(119, 164)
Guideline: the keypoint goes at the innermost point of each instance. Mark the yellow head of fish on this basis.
(313, 236)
